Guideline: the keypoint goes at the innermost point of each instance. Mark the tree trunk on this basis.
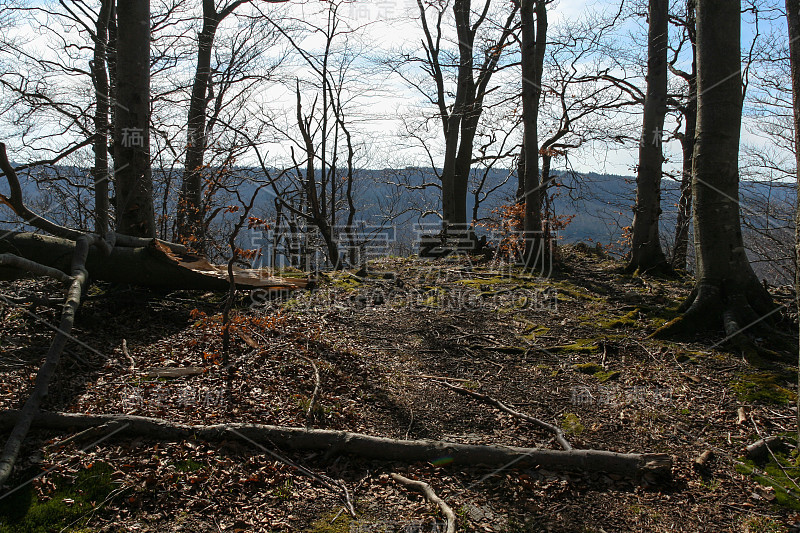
(133, 182)
(190, 207)
(534, 41)
(685, 202)
(100, 79)
(689, 112)
(646, 253)
(793, 20)
(727, 292)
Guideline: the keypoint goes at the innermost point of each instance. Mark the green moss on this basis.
(588, 368)
(602, 377)
(629, 319)
(579, 346)
(781, 477)
(66, 509)
(332, 522)
(343, 280)
(763, 388)
(571, 424)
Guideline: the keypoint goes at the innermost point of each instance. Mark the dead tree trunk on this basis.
(367, 446)
(30, 410)
(153, 265)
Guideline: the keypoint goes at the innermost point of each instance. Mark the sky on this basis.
(386, 25)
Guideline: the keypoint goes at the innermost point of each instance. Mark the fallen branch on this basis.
(126, 353)
(431, 496)
(555, 430)
(15, 261)
(153, 265)
(17, 204)
(657, 465)
(315, 395)
(31, 408)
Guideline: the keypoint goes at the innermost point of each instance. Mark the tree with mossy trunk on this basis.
(727, 290)
(646, 253)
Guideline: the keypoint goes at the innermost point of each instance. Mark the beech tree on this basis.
(688, 111)
(190, 209)
(471, 66)
(534, 42)
(132, 174)
(793, 20)
(646, 253)
(727, 290)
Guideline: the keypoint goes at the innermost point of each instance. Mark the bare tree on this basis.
(534, 42)
(132, 173)
(688, 111)
(646, 253)
(727, 291)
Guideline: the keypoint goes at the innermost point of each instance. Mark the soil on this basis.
(570, 348)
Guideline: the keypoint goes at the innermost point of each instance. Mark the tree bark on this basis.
(366, 446)
(679, 256)
(132, 174)
(190, 206)
(689, 112)
(793, 21)
(534, 41)
(101, 90)
(646, 253)
(727, 292)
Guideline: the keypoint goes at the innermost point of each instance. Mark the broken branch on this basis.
(431, 496)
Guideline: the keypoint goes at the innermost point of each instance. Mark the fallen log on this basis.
(655, 465)
(154, 265)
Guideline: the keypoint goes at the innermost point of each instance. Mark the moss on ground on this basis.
(67, 507)
(332, 522)
(782, 475)
(762, 387)
(586, 346)
(588, 368)
(629, 319)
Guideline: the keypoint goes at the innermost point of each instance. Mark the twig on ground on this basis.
(431, 496)
(555, 430)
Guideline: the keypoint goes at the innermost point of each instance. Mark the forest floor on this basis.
(570, 349)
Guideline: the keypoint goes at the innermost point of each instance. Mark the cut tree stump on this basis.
(656, 466)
